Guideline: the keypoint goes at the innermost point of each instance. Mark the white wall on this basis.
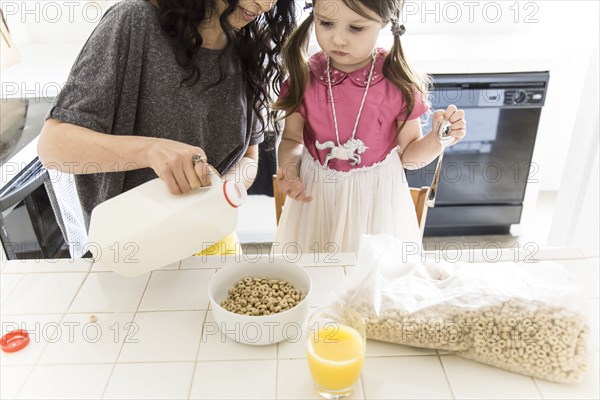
(53, 22)
(49, 34)
(586, 232)
(576, 220)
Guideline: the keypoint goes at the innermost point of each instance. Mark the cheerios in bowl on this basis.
(262, 302)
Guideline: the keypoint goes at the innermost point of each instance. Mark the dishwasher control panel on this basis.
(497, 90)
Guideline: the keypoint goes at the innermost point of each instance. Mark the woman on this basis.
(164, 88)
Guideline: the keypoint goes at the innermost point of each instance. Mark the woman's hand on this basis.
(457, 121)
(290, 184)
(172, 162)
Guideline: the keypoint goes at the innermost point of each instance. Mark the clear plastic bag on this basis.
(522, 317)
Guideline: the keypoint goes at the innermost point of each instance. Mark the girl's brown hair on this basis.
(395, 67)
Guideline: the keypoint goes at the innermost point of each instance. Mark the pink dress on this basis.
(349, 200)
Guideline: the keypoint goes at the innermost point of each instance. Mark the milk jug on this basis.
(147, 227)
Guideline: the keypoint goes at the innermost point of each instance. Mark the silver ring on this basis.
(196, 158)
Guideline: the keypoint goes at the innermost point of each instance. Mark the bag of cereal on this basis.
(522, 317)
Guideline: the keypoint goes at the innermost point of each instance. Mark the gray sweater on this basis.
(126, 81)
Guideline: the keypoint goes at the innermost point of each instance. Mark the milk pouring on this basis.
(147, 227)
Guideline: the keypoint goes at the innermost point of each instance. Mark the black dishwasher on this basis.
(484, 177)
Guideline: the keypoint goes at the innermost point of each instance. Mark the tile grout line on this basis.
(18, 392)
(589, 264)
(114, 364)
(445, 374)
(277, 371)
(196, 360)
(43, 273)
(535, 383)
(191, 385)
(197, 354)
(13, 289)
(362, 384)
(48, 272)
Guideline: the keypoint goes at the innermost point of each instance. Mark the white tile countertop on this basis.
(152, 339)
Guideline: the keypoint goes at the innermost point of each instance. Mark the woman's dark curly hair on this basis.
(259, 45)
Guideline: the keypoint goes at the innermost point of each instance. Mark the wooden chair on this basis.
(419, 197)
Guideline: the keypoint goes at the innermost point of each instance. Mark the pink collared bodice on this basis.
(377, 128)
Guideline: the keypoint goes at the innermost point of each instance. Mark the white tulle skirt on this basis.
(346, 205)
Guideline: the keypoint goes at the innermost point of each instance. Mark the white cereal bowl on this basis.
(265, 329)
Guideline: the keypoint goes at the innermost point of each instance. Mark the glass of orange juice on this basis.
(335, 350)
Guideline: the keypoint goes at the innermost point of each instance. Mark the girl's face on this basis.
(345, 36)
(248, 10)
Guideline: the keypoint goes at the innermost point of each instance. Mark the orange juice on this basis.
(335, 356)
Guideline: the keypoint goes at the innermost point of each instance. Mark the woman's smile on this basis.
(246, 15)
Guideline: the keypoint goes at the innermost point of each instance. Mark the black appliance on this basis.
(29, 228)
(484, 176)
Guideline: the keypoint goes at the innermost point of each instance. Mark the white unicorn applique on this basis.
(351, 150)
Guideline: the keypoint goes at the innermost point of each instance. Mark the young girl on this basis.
(351, 125)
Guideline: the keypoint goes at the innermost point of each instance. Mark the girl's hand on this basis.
(172, 162)
(456, 117)
(291, 185)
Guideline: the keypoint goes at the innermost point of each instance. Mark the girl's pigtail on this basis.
(295, 53)
(397, 70)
